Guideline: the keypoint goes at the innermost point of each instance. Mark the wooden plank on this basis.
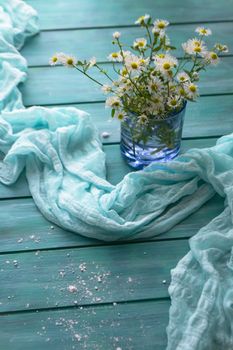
(38, 49)
(210, 116)
(31, 231)
(116, 167)
(104, 274)
(59, 85)
(93, 13)
(132, 326)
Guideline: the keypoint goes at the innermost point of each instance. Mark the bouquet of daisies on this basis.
(151, 82)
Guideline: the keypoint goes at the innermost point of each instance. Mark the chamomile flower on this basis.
(144, 61)
(106, 89)
(143, 19)
(161, 24)
(221, 48)
(120, 115)
(143, 119)
(165, 64)
(191, 90)
(183, 77)
(195, 76)
(92, 62)
(115, 57)
(54, 60)
(116, 35)
(203, 31)
(174, 102)
(132, 63)
(194, 47)
(155, 85)
(113, 102)
(212, 58)
(140, 43)
(68, 60)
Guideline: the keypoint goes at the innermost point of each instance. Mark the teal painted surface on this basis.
(129, 326)
(93, 13)
(100, 275)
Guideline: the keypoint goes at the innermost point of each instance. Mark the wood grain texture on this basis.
(40, 48)
(115, 273)
(132, 326)
(93, 13)
(53, 85)
(20, 232)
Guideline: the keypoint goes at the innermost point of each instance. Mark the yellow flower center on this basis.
(116, 104)
(182, 92)
(124, 71)
(192, 88)
(154, 87)
(166, 66)
(197, 49)
(197, 43)
(161, 25)
(134, 65)
(203, 31)
(161, 55)
(70, 61)
(54, 59)
(173, 102)
(141, 43)
(114, 55)
(120, 116)
(214, 56)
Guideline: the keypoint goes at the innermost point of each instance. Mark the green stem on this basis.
(103, 72)
(87, 75)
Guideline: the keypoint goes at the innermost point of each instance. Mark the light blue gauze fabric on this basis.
(65, 168)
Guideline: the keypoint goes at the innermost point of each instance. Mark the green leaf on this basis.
(113, 113)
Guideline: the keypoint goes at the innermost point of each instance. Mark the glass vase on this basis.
(162, 141)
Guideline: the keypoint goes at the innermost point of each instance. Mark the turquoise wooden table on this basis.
(62, 291)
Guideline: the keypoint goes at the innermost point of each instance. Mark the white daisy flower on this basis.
(133, 63)
(115, 57)
(143, 119)
(183, 77)
(194, 46)
(54, 60)
(191, 90)
(155, 85)
(203, 31)
(116, 35)
(144, 61)
(140, 43)
(174, 101)
(221, 48)
(141, 20)
(212, 57)
(121, 115)
(113, 102)
(106, 89)
(68, 60)
(165, 63)
(92, 62)
(160, 24)
(195, 76)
